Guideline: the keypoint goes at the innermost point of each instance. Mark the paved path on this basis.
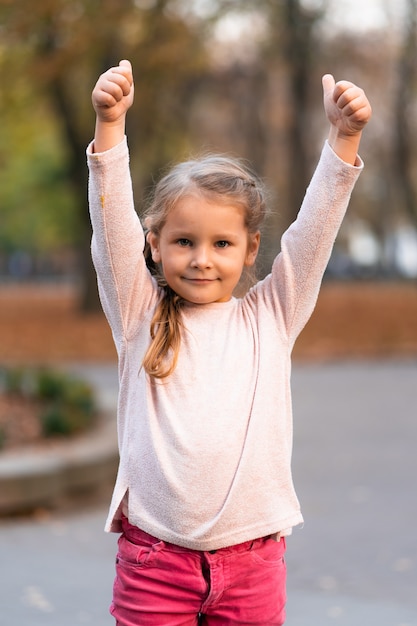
(353, 564)
(355, 467)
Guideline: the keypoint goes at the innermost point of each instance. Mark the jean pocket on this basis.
(270, 553)
(134, 555)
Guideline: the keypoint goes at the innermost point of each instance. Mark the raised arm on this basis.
(348, 111)
(126, 288)
(307, 244)
(112, 97)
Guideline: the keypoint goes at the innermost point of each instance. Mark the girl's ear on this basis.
(153, 241)
(254, 241)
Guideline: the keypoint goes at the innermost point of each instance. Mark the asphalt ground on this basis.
(354, 562)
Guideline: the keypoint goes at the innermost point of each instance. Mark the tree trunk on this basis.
(404, 136)
(77, 173)
(299, 56)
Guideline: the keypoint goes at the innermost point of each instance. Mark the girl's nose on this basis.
(201, 258)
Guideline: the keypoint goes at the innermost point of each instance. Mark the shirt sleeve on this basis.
(126, 288)
(293, 286)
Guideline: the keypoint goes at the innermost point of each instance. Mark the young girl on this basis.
(204, 496)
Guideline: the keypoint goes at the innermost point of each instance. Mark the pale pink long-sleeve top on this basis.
(205, 455)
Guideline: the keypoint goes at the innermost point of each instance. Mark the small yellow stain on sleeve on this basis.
(102, 201)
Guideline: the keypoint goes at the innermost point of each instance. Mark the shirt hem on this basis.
(281, 528)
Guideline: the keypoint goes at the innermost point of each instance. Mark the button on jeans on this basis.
(161, 584)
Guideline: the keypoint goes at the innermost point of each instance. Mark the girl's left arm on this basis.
(307, 244)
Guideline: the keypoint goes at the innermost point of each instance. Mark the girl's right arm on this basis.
(112, 97)
(127, 291)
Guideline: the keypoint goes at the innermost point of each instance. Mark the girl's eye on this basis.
(222, 244)
(184, 242)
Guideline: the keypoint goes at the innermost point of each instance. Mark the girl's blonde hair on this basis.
(220, 178)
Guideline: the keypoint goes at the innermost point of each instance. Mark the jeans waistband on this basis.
(136, 535)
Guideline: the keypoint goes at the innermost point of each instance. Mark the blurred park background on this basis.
(236, 76)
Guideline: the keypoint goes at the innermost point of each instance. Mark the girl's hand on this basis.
(112, 97)
(346, 105)
(348, 111)
(113, 93)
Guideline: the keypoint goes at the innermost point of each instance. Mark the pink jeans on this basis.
(161, 584)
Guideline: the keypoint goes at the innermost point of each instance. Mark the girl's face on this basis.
(203, 248)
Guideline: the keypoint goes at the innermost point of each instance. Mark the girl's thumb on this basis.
(126, 63)
(328, 83)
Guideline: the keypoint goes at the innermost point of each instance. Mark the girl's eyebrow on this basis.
(183, 232)
(219, 237)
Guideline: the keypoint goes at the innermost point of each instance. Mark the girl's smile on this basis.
(203, 247)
